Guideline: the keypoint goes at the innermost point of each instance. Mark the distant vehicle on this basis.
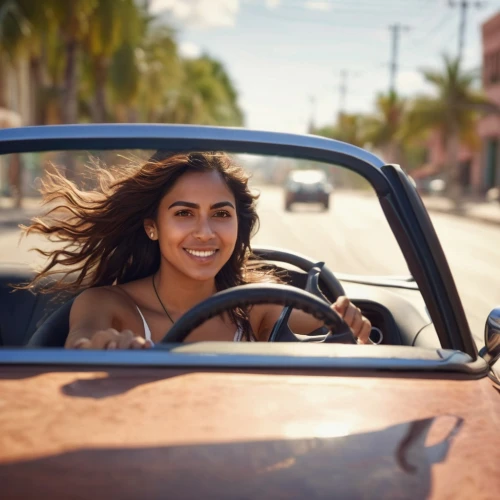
(307, 186)
(493, 195)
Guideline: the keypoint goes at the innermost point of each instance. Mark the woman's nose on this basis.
(203, 230)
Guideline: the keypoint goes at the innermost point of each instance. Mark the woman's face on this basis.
(197, 225)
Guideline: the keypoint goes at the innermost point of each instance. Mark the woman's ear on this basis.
(150, 228)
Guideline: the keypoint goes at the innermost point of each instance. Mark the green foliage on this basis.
(349, 128)
(124, 75)
(398, 128)
(383, 127)
(453, 110)
(208, 94)
(124, 63)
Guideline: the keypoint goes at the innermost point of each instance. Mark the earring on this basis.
(151, 234)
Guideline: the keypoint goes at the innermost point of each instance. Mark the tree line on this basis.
(111, 61)
(399, 126)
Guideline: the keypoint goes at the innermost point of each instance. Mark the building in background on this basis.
(489, 125)
(469, 163)
(479, 168)
(16, 94)
(16, 110)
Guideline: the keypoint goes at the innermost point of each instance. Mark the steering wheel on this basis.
(53, 332)
(317, 272)
(245, 295)
(327, 279)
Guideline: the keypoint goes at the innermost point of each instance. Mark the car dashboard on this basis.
(395, 308)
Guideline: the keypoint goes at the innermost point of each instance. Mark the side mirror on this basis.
(492, 336)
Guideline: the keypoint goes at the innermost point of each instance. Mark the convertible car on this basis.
(412, 415)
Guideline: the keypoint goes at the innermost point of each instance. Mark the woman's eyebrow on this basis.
(221, 204)
(184, 204)
(189, 204)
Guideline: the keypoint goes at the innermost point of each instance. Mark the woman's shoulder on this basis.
(103, 296)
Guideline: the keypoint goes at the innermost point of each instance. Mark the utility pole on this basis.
(342, 91)
(393, 65)
(312, 101)
(464, 5)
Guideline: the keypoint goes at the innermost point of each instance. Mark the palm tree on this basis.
(112, 24)
(208, 96)
(161, 74)
(227, 112)
(10, 33)
(19, 23)
(349, 128)
(124, 82)
(383, 129)
(452, 112)
(205, 95)
(130, 69)
(72, 18)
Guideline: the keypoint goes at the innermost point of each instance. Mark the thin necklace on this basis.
(164, 308)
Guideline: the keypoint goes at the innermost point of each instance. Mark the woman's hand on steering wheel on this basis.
(352, 315)
(112, 339)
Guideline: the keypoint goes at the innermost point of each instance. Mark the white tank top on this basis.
(238, 336)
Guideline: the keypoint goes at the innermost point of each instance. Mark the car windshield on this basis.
(337, 223)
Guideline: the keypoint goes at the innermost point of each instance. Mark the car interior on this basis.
(393, 304)
(396, 310)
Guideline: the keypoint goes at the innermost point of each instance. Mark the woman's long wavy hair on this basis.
(102, 230)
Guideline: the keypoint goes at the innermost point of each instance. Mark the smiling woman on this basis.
(156, 239)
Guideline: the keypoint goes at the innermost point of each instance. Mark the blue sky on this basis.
(285, 57)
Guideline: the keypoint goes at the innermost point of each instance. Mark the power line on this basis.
(431, 33)
(395, 31)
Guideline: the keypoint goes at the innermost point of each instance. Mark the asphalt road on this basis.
(353, 237)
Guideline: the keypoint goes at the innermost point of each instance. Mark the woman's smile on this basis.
(202, 256)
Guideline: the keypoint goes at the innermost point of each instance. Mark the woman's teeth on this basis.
(198, 253)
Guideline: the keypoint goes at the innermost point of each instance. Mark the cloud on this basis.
(198, 13)
(317, 5)
(189, 50)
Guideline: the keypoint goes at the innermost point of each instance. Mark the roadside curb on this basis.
(13, 217)
(493, 221)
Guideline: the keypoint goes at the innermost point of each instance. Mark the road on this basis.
(353, 237)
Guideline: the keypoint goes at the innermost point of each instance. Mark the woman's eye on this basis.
(183, 213)
(222, 213)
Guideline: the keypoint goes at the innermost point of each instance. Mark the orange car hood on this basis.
(163, 433)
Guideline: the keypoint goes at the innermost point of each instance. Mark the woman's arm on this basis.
(95, 324)
(304, 323)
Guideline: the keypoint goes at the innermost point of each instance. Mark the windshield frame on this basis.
(282, 356)
(417, 243)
